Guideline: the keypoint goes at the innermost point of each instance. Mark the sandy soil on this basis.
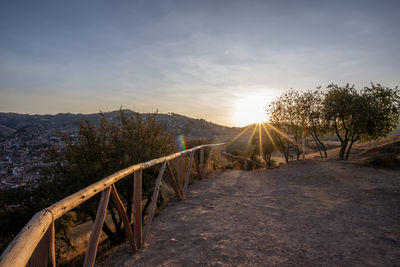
(309, 213)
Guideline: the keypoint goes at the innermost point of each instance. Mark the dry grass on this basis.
(384, 152)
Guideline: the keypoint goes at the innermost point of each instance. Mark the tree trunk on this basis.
(343, 146)
(287, 151)
(348, 150)
(285, 154)
(268, 159)
(298, 153)
(322, 145)
(324, 149)
(317, 144)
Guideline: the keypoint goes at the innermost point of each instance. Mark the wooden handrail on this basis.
(20, 250)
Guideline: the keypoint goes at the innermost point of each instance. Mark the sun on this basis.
(250, 109)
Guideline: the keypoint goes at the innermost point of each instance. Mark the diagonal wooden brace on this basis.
(122, 213)
(188, 174)
(153, 202)
(97, 226)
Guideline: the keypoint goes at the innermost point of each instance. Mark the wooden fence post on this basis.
(52, 245)
(201, 162)
(138, 208)
(44, 253)
(90, 257)
(188, 174)
(153, 202)
(122, 214)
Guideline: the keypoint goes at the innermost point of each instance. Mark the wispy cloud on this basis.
(190, 57)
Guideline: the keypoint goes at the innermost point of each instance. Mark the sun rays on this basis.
(249, 141)
(238, 135)
(260, 140)
(260, 128)
(269, 136)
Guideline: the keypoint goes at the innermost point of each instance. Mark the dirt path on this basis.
(309, 213)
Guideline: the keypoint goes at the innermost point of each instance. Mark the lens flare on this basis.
(182, 142)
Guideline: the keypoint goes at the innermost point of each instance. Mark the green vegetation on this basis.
(96, 153)
(312, 120)
(351, 115)
(284, 114)
(369, 114)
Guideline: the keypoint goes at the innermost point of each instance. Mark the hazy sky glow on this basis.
(196, 58)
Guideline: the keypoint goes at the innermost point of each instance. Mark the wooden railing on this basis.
(35, 243)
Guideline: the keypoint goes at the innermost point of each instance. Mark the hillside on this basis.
(384, 152)
(14, 123)
(25, 138)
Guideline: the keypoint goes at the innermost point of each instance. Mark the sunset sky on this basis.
(203, 59)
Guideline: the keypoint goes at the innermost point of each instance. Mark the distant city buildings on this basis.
(23, 155)
(23, 152)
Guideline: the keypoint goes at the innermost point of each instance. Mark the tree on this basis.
(367, 115)
(310, 107)
(342, 109)
(383, 111)
(285, 116)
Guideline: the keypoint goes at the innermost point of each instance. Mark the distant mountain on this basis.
(14, 124)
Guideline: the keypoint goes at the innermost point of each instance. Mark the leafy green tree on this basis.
(342, 109)
(313, 122)
(285, 115)
(383, 111)
(353, 116)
